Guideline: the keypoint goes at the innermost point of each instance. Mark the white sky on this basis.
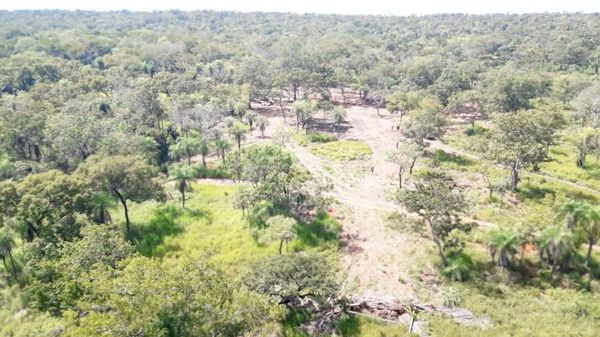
(395, 7)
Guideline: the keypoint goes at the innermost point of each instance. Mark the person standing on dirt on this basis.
(372, 169)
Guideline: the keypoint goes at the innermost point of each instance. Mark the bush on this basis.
(459, 266)
(218, 172)
(320, 138)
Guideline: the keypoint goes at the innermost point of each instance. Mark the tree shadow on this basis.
(349, 325)
(533, 192)
(440, 157)
(149, 238)
(323, 229)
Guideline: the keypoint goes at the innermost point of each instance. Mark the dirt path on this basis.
(375, 257)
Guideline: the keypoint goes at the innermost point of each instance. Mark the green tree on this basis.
(587, 106)
(125, 177)
(222, 145)
(57, 281)
(292, 278)
(186, 297)
(405, 157)
(402, 101)
(279, 228)
(439, 203)
(591, 229)
(49, 205)
(204, 150)
(250, 118)
(555, 244)
(424, 123)
(186, 147)
(521, 139)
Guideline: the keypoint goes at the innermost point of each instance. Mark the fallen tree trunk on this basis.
(392, 310)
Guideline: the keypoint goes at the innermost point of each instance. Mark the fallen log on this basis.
(392, 310)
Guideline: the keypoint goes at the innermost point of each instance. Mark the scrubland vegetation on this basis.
(227, 174)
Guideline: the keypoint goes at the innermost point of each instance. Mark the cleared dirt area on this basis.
(377, 259)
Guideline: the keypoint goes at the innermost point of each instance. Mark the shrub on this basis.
(459, 267)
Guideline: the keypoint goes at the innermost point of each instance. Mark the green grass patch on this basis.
(342, 150)
(358, 326)
(211, 225)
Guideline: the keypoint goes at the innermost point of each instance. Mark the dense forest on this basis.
(261, 174)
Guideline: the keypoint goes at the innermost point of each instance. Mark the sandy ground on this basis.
(377, 260)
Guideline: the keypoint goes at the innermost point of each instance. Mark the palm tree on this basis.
(239, 110)
(182, 174)
(7, 243)
(573, 211)
(339, 116)
(101, 201)
(185, 147)
(504, 243)
(238, 131)
(555, 243)
(222, 145)
(250, 117)
(262, 123)
(204, 147)
(591, 228)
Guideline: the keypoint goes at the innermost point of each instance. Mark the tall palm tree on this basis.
(251, 117)
(262, 123)
(238, 131)
(573, 211)
(222, 146)
(182, 175)
(204, 147)
(591, 228)
(555, 244)
(7, 243)
(504, 242)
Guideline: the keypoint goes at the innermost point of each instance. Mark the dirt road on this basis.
(376, 258)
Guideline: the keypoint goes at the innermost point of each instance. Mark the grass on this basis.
(357, 326)
(518, 306)
(349, 326)
(327, 146)
(210, 225)
(342, 150)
